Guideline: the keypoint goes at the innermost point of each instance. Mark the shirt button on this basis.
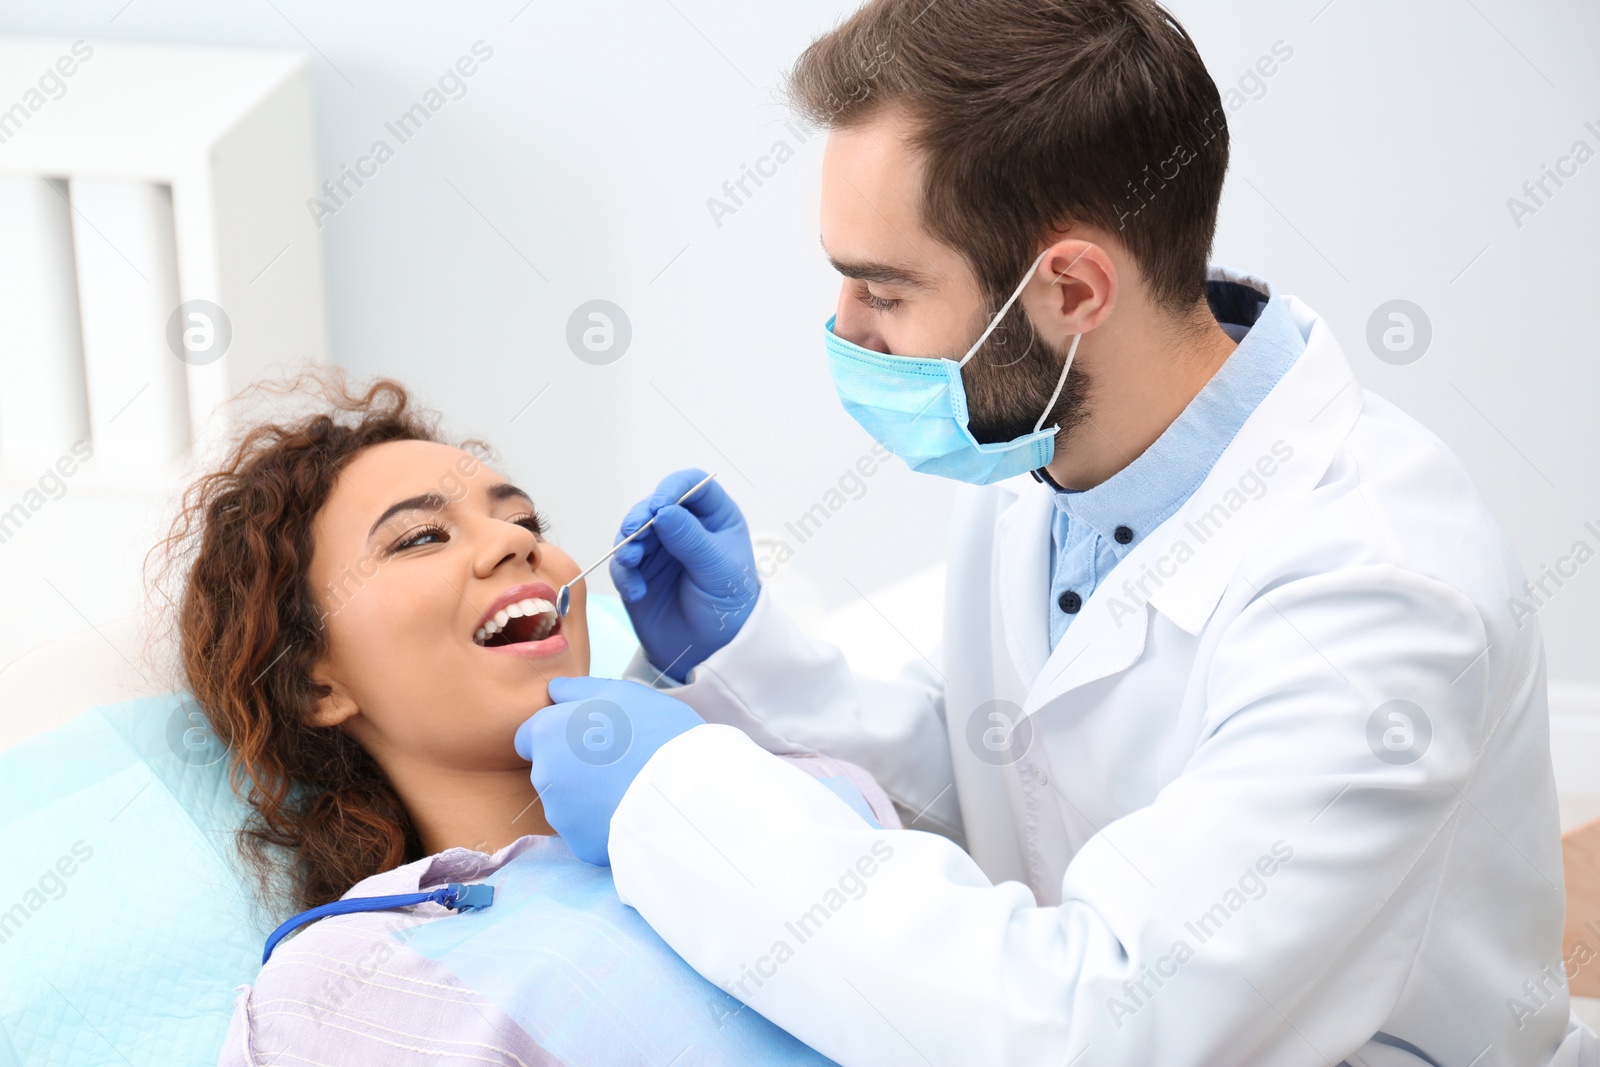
(1122, 534)
(1070, 602)
(1039, 776)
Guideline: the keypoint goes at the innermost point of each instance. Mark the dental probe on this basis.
(564, 596)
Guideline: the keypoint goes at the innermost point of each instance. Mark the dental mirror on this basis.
(564, 596)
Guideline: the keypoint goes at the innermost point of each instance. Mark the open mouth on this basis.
(530, 619)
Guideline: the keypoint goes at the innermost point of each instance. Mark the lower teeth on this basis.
(539, 633)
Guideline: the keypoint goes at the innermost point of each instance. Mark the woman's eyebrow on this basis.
(436, 502)
(503, 491)
(420, 502)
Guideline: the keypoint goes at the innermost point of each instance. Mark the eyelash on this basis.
(412, 538)
(532, 522)
(876, 303)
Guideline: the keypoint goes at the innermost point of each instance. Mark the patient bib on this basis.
(557, 971)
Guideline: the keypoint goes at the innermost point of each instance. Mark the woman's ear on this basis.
(335, 705)
(332, 710)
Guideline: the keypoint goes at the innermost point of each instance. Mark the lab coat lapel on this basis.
(1094, 646)
(1022, 575)
(1099, 642)
(1182, 568)
(1279, 455)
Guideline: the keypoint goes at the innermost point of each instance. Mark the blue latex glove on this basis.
(689, 582)
(589, 746)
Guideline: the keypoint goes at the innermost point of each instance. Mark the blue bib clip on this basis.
(455, 896)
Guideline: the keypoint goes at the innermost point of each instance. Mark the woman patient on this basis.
(367, 618)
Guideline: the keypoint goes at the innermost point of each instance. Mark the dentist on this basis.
(1234, 752)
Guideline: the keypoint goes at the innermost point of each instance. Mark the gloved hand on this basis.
(589, 746)
(689, 582)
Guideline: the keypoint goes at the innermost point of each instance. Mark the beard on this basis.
(1009, 380)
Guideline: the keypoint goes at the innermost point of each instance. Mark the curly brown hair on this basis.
(249, 631)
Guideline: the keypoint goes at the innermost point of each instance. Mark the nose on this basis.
(855, 324)
(505, 543)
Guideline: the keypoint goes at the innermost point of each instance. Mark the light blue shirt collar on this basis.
(1147, 491)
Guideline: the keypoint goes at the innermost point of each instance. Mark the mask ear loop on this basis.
(1061, 381)
(984, 336)
(1012, 299)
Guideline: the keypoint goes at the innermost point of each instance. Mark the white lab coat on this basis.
(1201, 858)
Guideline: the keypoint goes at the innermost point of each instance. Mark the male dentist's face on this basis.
(907, 293)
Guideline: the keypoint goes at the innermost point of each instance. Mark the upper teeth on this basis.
(521, 609)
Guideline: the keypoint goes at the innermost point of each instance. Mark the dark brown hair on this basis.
(1033, 114)
(249, 630)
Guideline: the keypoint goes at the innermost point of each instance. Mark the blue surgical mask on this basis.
(917, 408)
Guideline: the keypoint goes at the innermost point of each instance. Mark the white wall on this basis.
(1375, 165)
